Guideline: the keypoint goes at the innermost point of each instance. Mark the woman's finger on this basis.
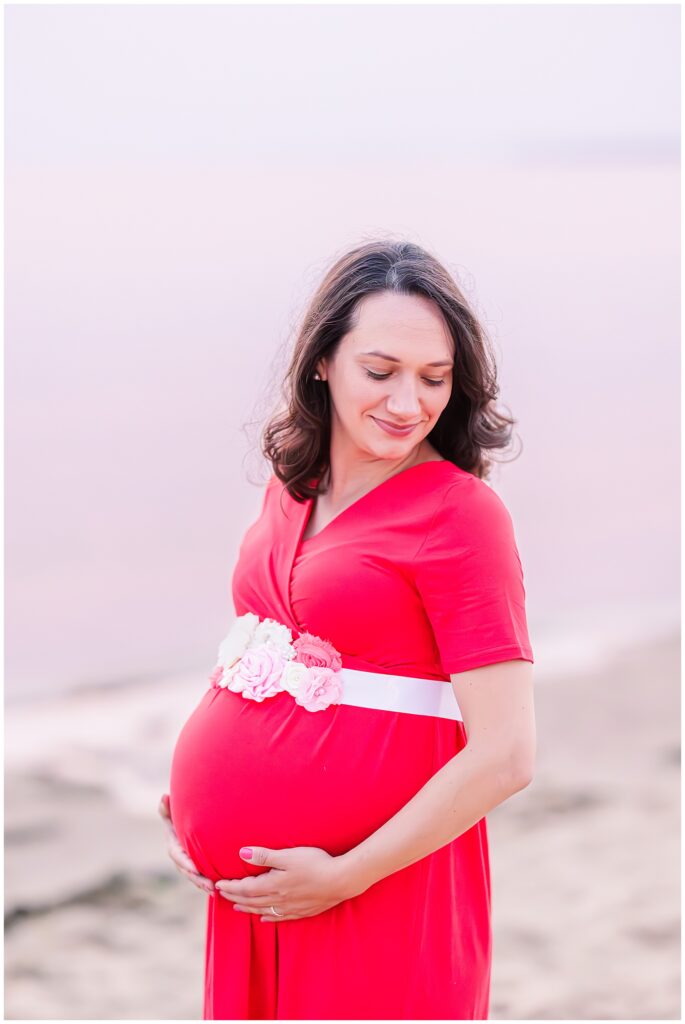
(180, 857)
(170, 830)
(185, 864)
(175, 846)
(256, 904)
(198, 880)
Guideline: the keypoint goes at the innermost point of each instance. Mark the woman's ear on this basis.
(320, 369)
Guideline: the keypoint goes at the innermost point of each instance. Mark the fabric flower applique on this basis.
(316, 653)
(260, 659)
(274, 634)
(258, 673)
(321, 688)
(236, 642)
(295, 675)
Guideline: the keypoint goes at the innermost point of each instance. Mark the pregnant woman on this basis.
(373, 700)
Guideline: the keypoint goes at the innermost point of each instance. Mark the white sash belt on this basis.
(260, 659)
(399, 693)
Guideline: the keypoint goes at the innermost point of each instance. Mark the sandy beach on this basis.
(585, 861)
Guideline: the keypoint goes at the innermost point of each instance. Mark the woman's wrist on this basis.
(353, 878)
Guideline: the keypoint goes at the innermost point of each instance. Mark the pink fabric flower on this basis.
(259, 673)
(314, 652)
(321, 688)
(216, 676)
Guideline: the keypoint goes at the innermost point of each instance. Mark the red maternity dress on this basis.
(420, 577)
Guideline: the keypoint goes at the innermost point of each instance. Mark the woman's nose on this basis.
(404, 401)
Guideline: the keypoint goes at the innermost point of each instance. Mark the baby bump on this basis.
(273, 774)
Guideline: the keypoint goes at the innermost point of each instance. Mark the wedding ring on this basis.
(275, 912)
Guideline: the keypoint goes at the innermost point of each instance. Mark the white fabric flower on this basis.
(228, 675)
(295, 676)
(276, 636)
(238, 639)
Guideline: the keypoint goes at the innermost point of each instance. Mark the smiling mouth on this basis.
(404, 428)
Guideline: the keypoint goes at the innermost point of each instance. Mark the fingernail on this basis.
(246, 852)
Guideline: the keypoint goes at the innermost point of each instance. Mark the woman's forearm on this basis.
(455, 798)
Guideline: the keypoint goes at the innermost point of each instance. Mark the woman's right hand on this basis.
(178, 855)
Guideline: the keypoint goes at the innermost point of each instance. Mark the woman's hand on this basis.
(303, 881)
(178, 854)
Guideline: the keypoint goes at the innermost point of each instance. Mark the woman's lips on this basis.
(395, 431)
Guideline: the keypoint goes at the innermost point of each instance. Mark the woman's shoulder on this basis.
(465, 507)
(458, 488)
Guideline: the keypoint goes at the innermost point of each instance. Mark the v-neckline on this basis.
(309, 503)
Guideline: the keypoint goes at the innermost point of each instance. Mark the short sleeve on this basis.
(470, 580)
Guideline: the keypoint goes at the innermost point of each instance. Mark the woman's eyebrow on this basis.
(393, 359)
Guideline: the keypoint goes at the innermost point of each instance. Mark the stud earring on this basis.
(317, 376)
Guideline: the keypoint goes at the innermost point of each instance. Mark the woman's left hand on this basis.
(303, 881)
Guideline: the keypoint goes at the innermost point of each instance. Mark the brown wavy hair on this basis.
(296, 440)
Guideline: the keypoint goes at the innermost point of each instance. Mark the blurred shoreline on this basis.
(573, 639)
(591, 847)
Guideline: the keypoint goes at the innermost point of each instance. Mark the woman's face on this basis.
(382, 372)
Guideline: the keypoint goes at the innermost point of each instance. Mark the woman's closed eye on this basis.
(384, 376)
